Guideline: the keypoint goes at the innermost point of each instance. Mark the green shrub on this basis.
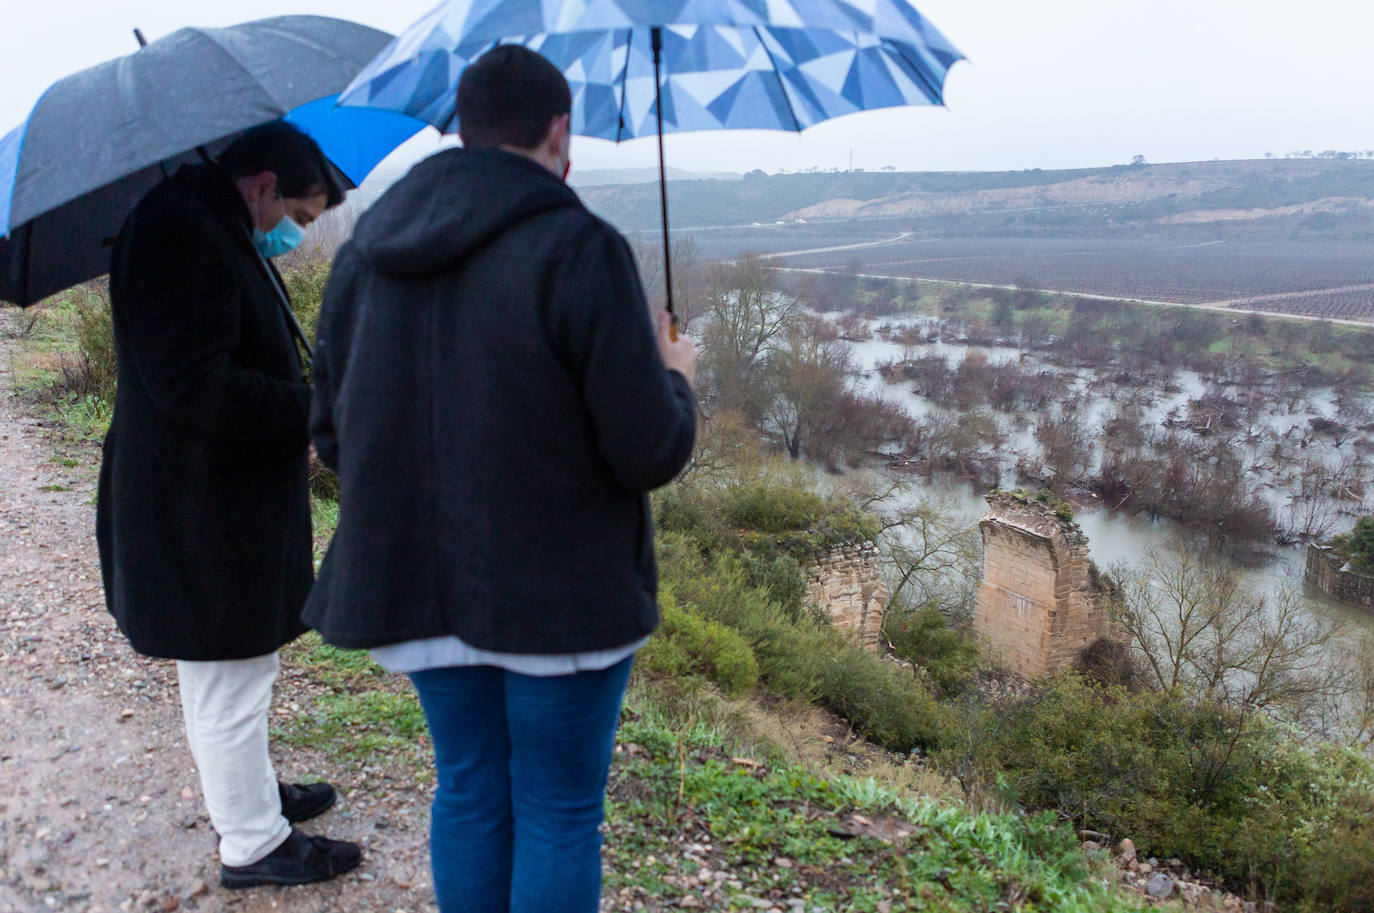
(780, 577)
(926, 638)
(1357, 546)
(1240, 799)
(771, 508)
(1338, 870)
(90, 372)
(688, 644)
(306, 276)
(801, 657)
(762, 518)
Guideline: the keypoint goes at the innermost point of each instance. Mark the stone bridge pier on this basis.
(1041, 601)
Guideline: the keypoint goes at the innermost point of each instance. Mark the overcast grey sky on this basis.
(1048, 83)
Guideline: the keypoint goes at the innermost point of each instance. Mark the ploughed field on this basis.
(1321, 278)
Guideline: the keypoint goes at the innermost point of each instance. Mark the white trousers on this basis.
(225, 704)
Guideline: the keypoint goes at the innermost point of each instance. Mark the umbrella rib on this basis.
(624, 78)
(777, 74)
(214, 42)
(937, 97)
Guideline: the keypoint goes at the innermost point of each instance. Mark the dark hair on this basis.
(296, 160)
(509, 96)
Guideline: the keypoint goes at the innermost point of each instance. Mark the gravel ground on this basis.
(100, 807)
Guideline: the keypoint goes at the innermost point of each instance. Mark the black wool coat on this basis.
(489, 386)
(203, 518)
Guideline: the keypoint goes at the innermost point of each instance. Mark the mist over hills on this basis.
(1278, 196)
(597, 177)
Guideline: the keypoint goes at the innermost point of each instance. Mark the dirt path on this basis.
(100, 808)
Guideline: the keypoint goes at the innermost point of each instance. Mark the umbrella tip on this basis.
(142, 42)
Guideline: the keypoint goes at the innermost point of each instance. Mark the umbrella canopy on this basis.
(726, 65)
(646, 67)
(98, 140)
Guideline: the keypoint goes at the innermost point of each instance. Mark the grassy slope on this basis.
(691, 793)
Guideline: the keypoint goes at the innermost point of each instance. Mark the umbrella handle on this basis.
(656, 42)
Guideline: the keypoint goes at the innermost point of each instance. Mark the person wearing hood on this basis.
(497, 400)
(203, 518)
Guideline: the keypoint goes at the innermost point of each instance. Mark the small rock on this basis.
(197, 888)
(884, 906)
(125, 714)
(187, 792)
(1126, 850)
(168, 904)
(1160, 886)
(1145, 868)
(783, 862)
(689, 902)
(1090, 846)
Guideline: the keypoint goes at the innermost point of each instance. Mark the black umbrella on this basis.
(98, 140)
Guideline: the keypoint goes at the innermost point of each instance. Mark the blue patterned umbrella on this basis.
(640, 67)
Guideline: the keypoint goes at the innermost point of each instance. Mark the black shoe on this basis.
(301, 859)
(303, 801)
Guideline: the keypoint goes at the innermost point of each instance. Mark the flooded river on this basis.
(1115, 539)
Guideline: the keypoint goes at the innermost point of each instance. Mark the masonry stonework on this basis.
(1326, 570)
(846, 582)
(1040, 602)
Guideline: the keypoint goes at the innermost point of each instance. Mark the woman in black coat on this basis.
(203, 519)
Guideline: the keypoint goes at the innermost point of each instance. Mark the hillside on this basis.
(1324, 195)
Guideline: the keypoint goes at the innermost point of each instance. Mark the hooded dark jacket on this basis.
(489, 387)
(203, 518)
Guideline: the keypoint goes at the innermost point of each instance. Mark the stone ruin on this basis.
(846, 582)
(1041, 601)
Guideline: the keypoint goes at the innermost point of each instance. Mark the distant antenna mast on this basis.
(851, 160)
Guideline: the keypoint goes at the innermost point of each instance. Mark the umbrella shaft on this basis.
(656, 40)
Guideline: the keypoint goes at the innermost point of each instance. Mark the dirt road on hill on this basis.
(100, 807)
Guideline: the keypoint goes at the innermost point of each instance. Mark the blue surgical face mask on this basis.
(282, 239)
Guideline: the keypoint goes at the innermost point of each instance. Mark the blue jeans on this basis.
(521, 764)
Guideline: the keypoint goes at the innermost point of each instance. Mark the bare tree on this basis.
(808, 372)
(1311, 511)
(747, 319)
(689, 277)
(1202, 634)
(932, 558)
